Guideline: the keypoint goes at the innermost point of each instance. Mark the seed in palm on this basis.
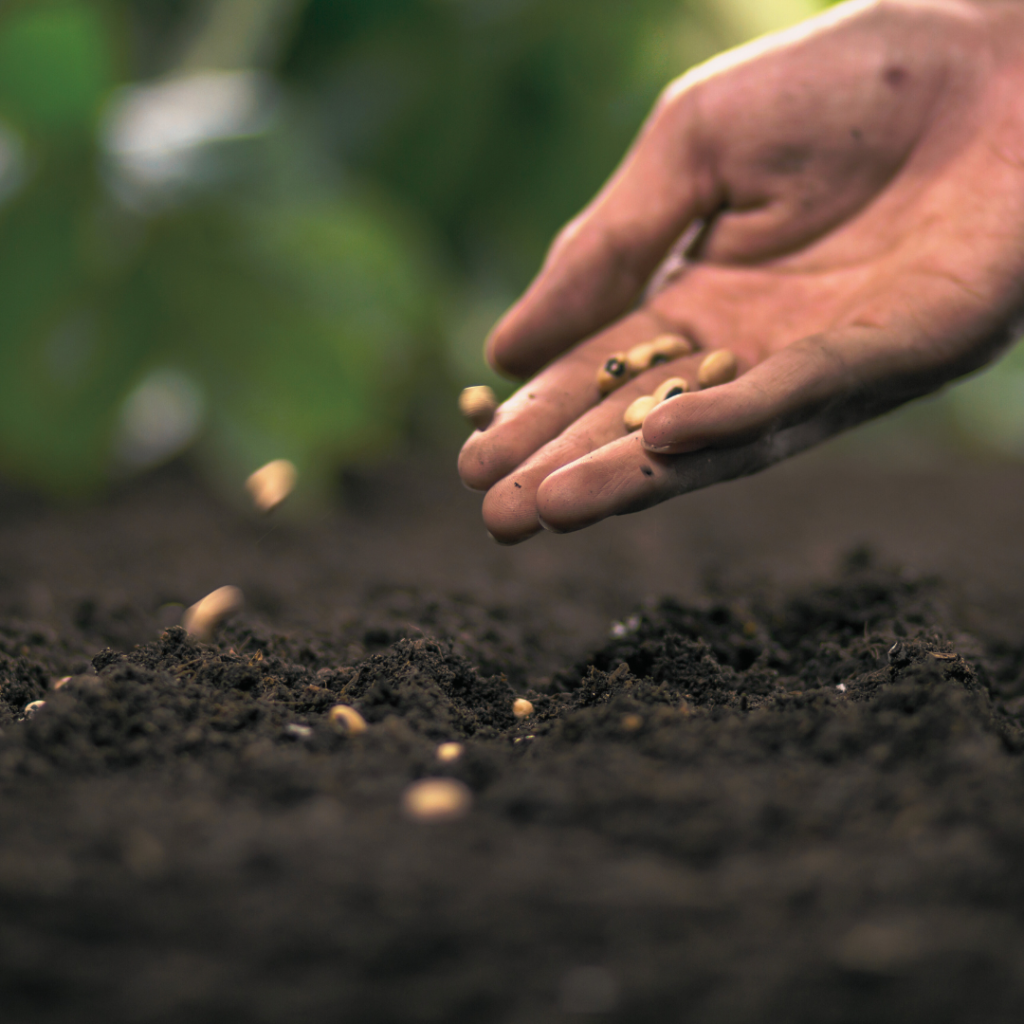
(717, 368)
(633, 417)
(670, 388)
(613, 373)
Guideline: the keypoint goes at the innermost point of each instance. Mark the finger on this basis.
(510, 506)
(785, 388)
(793, 400)
(598, 265)
(625, 477)
(545, 406)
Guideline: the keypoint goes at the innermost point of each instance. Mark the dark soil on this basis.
(774, 772)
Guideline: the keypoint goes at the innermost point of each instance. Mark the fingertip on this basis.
(509, 513)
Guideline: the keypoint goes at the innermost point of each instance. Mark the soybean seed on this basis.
(639, 358)
(435, 800)
(612, 374)
(271, 484)
(671, 346)
(448, 752)
(633, 417)
(477, 404)
(59, 684)
(670, 388)
(717, 368)
(522, 708)
(347, 716)
(36, 705)
(204, 616)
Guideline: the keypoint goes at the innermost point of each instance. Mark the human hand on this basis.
(850, 197)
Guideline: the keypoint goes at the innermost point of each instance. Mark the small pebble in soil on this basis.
(633, 417)
(346, 715)
(670, 388)
(717, 368)
(477, 404)
(632, 722)
(271, 484)
(612, 373)
(448, 752)
(204, 616)
(430, 800)
(36, 705)
(522, 708)
(841, 687)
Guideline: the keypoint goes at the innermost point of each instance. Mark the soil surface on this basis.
(773, 772)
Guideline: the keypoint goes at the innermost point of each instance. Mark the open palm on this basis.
(841, 205)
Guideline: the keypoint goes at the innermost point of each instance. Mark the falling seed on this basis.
(204, 616)
(36, 705)
(522, 708)
(612, 373)
(347, 715)
(302, 732)
(59, 684)
(448, 752)
(633, 417)
(477, 404)
(671, 346)
(431, 800)
(632, 722)
(670, 388)
(272, 483)
(717, 368)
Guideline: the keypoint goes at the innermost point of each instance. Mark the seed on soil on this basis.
(36, 705)
(717, 368)
(271, 484)
(347, 716)
(633, 417)
(522, 708)
(670, 388)
(431, 800)
(670, 346)
(448, 752)
(612, 374)
(204, 616)
(477, 404)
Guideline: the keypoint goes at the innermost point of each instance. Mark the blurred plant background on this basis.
(252, 229)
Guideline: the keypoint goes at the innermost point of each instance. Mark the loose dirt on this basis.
(773, 771)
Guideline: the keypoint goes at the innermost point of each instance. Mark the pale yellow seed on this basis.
(633, 417)
(436, 800)
(204, 616)
(36, 705)
(639, 358)
(671, 346)
(59, 684)
(522, 708)
(347, 715)
(717, 368)
(670, 385)
(271, 484)
(448, 752)
(613, 373)
(477, 404)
